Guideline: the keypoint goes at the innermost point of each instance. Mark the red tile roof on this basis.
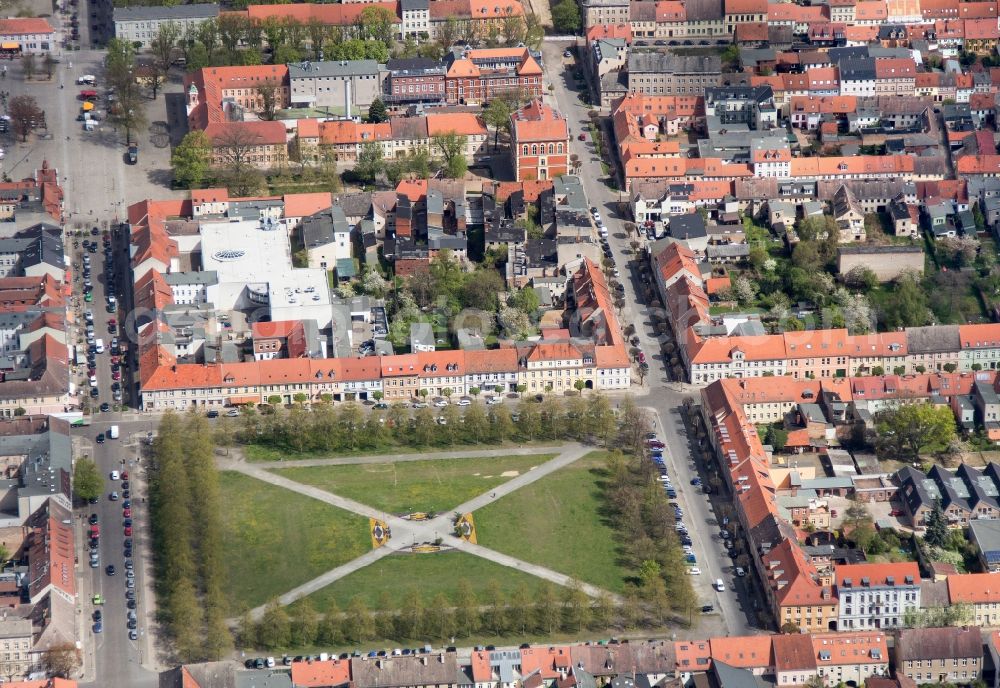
(539, 122)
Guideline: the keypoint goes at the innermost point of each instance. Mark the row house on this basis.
(981, 591)
(592, 351)
(876, 596)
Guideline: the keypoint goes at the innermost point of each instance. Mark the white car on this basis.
(114, 475)
(494, 400)
(694, 571)
(464, 402)
(441, 403)
(740, 571)
(233, 413)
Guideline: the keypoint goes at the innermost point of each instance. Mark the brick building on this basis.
(540, 145)
(477, 76)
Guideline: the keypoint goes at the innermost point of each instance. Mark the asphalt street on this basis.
(665, 396)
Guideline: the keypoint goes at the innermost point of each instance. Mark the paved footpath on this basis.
(407, 533)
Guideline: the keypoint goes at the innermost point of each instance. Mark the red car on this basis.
(642, 357)
(116, 375)
(126, 513)
(655, 444)
(124, 475)
(582, 137)
(128, 531)
(895, 512)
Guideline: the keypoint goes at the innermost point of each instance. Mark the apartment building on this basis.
(981, 591)
(141, 24)
(939, 655)
(263, 144)
(656, 73)
(414, 80)
(878, 596)
(477, 76)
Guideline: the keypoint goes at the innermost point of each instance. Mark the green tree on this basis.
(566, 17)
(192, 159)
(525, 300)
(907, 428)
(87, 480)
(275, 628)
(466, 609)
(777, 438)
(377, 111)
(450, 145)
(376, 23)
(371, 162)
(937, 527)
(908, 305)
(497, 115)
(359, 624)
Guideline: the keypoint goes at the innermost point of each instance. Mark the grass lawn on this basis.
(260, 452)
(557, 522)
(387, 582)
(407, 486)
(276, 539)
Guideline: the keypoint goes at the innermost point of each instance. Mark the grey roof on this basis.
(733, 677)
(728, 251)
(857, 69)
(687, 226)
(400, 672)
(932, 339)
(421, 334)
(357, 204)
(939, 643)
(888, 249)
(986, 534)
(703, 10)
(414, 65)
(198, 277)
(36, 245)
(312, 70)
(414, 5)
(263, 679)
(673, 64)
(166, 12)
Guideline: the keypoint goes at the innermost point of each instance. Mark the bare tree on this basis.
(25, 115)
(28, 65)
(49, 65)
(62, 660)
(163, 47)
(268, 94)
(234, 150)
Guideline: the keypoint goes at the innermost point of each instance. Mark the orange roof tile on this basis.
(305, 204)
(743, 652)
(539, 122)
(316, 674)
(974, 588)
(463, 123)
(878, 574)
(17, 26)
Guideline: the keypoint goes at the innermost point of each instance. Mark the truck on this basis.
(86, 79)
(133, 153)
(113, 432)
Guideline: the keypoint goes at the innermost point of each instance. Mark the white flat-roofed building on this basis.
(253, 264)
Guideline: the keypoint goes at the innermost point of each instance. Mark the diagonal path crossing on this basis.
(406, 533)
